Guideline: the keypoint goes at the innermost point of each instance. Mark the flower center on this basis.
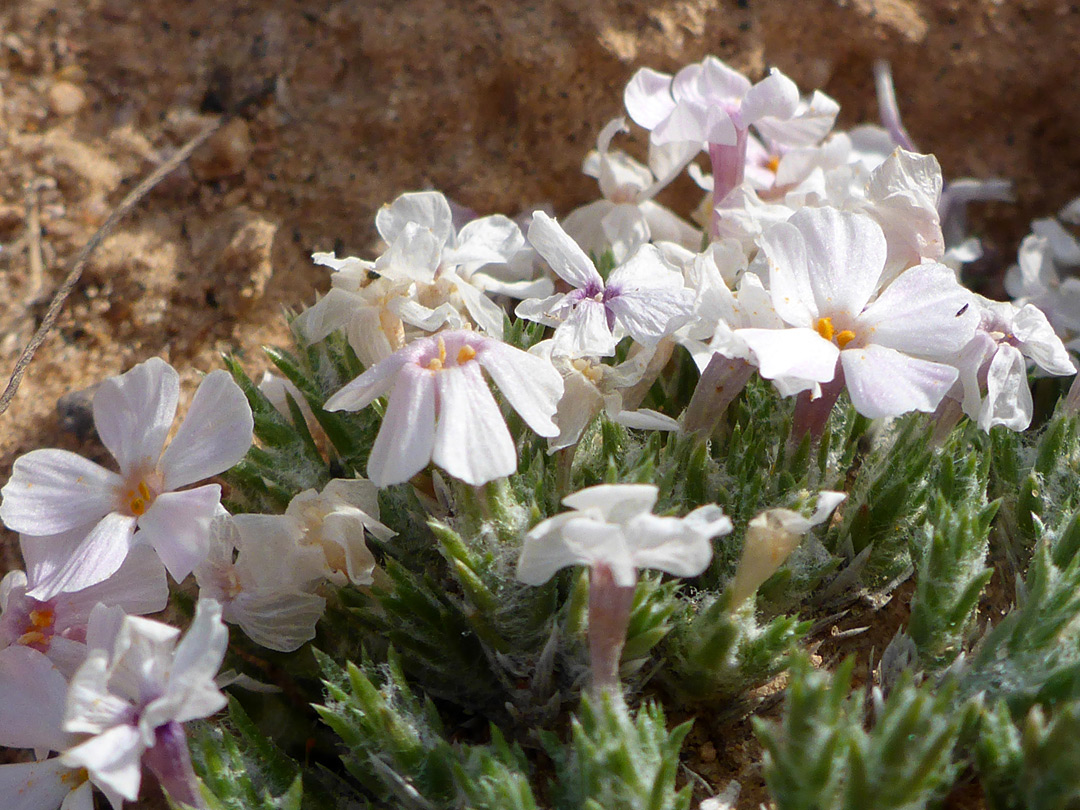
(773, 163)
(139, 498)
(826, 329)
(464, 355)
(39, 629)
(75, 778)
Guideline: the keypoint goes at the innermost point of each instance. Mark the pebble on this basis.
(66, 98)
(225, 154)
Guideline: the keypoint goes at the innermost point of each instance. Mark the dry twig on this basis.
(123, 209)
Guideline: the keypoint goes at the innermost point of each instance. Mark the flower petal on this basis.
(530, 384)
(113, 758)
(428, 209)
(562, 253)
(177, 525)
(585, 331)
(407, 434)
(32, 697)
(54, 491)
(845, 254)
(134, 411)
(648, 97)
(34, 785)
(368, 387)
(77, 559)
(215, 434)
(883, 382)
(615, 503)
(472, 442)
(924, 312)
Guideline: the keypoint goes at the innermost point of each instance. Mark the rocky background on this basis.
(493, 102)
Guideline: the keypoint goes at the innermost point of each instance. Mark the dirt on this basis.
(494, 103)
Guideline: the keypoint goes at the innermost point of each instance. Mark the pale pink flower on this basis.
(92, 516)
(135, 691)
(441, 409)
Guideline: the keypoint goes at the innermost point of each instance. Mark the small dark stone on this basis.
(75, 412)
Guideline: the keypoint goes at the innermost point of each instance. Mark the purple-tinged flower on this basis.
(710, 103)
(32, 699)
(644, 296)
(134, 693)
(441, 409)
(92, 516)
(57, 626)
(993, 385)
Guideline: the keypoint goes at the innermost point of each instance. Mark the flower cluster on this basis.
(825, 262)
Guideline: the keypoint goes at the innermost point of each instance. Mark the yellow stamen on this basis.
(465, 354)
(773, 163)
(32, 638)
(436, 363)
(140, 499)
(75, 777)
(844, 338)
(825, 328)
(41, 618)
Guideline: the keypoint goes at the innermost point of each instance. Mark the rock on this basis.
(66, 98)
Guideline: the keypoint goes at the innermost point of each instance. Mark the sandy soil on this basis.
(494, 103)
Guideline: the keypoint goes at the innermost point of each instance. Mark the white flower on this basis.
(136, 689)
(825, 274)
(333, 522)
(252, 570)
(996, 360)
(612, 525)
(441, 410)
(431, 277)
(710, 102)
(643, 296)
(92, 516)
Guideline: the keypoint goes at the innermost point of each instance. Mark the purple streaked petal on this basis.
(54, 491)
(585, 331)
(134, 411)
(73, 561)
(215, 433)
(407, 434)
(648, 297)
(472, 442)
(884, 382)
